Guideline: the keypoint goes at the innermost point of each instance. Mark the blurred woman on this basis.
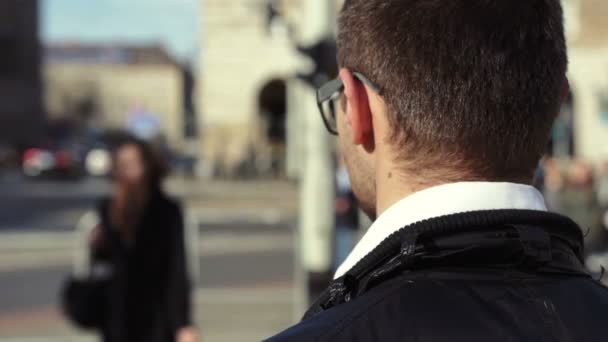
(554, 184)
(579, 201)
(141, 240)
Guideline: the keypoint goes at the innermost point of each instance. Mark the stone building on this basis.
(249, 59)
(107, 84)
(584, 119)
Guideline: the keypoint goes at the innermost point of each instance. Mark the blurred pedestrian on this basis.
(602, 185)
(539, 177)
(603, 198)
(347, 215)
(579, 201)
(141, 239)
(442, 110)
(554, 184)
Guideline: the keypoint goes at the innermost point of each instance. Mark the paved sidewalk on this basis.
(230, 315)
(223, 315)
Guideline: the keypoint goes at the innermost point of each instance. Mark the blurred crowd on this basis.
(578, 190)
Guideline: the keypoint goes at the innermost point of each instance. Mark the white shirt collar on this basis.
(443, 200)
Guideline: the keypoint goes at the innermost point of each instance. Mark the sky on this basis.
(174, 23)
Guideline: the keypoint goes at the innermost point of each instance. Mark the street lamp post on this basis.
(317, 177)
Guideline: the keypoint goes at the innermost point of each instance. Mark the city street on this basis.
(46, 205)
(246, 259)
(297, 142)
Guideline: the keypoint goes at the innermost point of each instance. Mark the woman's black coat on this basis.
(148, 298)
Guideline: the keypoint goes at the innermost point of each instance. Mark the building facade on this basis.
(21, 109)
(249, 60)
(106, 85)
(585, 115)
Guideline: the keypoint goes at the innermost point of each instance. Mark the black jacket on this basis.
(148, 297)
(482, 276)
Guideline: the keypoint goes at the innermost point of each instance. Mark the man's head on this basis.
(467, 89)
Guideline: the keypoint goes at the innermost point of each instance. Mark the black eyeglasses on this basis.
(328, 96)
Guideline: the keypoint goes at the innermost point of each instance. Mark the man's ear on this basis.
(358, 111)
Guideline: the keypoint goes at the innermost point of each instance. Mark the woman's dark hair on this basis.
(155, 165)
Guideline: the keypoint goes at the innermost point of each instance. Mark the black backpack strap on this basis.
(337, 293)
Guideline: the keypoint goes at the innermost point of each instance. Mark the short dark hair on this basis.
(468, 84)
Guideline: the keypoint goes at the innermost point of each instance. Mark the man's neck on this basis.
(392, 185)
(389, 193)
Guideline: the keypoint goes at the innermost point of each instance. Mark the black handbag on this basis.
(84, 294)
(84, 301)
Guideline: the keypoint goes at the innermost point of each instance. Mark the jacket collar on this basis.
(444, 200)
(529, 240)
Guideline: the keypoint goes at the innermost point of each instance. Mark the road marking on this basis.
(210, 216)
(32, 240)
(223, 244)
(268, 294)
(37, 253)
(10, 262)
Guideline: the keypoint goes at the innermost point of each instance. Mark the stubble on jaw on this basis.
(362, 181)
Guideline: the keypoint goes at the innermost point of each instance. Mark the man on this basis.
(444, 109)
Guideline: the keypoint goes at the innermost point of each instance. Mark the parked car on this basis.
(61, 160)
(98, 162)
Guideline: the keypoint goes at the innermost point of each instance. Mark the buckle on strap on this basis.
(339, 291)
(536, 244)
(407, 252)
